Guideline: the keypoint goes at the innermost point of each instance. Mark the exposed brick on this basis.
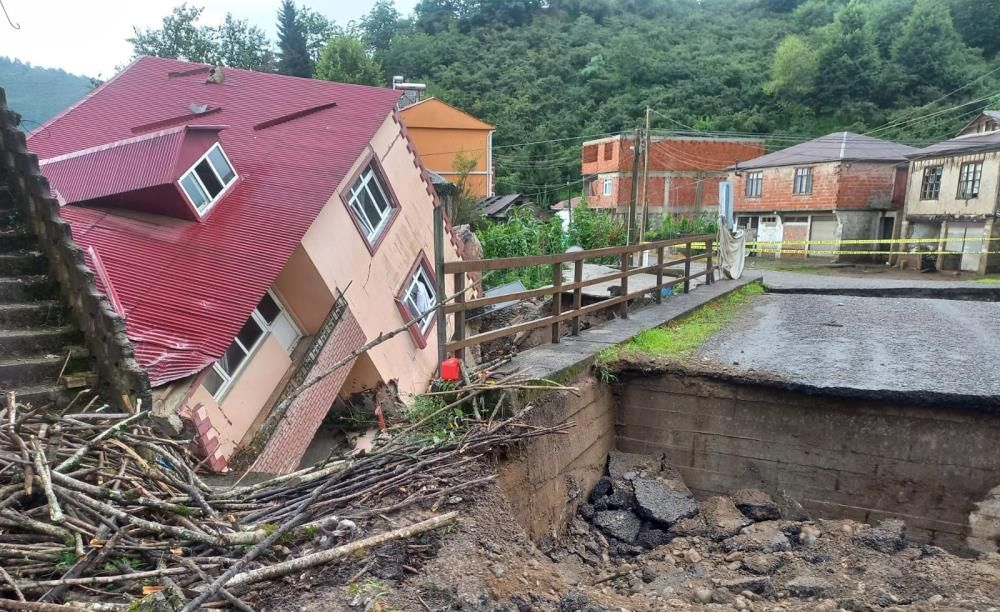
(856, 185)
(292, 436)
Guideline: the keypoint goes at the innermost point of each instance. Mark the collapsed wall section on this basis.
(862, 459)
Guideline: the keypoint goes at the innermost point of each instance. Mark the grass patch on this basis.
(987, 280)
(681, 337)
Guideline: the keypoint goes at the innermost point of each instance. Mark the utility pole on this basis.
(632, 217)
(645, 179)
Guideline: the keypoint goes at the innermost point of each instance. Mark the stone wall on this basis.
(548, 477)
(103, 328)
(857, 458)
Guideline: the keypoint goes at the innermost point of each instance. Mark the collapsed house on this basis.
(251, 229)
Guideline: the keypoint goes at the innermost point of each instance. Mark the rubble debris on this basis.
(756, 505)
(887, 536)
(102, 501)
(765, 537)
(762, 565)
(658, 502)
(808, 586)
(620, 524)
(722, 518)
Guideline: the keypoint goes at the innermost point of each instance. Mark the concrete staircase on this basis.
(42, 353)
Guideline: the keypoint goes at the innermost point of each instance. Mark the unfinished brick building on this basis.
(683, 178)
(836, 187)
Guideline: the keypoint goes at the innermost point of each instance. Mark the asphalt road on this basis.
(894, 344)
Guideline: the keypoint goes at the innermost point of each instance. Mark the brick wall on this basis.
(859, 458)
(854, 185)
(794, 232)
(867, 185)
(705, 154)
(295, 431)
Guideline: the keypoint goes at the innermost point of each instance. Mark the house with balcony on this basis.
(952, 196)
(251, 229)
(683, 175)
(841, 186)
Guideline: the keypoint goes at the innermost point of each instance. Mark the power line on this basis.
(13, 25)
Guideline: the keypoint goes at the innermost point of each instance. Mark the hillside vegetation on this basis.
(39, 93)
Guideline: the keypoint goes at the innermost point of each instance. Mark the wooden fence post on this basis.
(577, 293)
(709, 276)
(460, 314)
(687, 267)
(623, 309)
(556, 299)
(659, 275)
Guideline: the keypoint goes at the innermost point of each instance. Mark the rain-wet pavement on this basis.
(894, 344)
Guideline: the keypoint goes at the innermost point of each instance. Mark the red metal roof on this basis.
(188, 286)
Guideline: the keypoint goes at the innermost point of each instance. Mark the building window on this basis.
(208, 178)
(755, 184)
(607, 185)
(930, 187)
(268, 317)
(590, 154)
(418, 296)
(803, 181)
(968, 180)
(371, 207)
(609, 152)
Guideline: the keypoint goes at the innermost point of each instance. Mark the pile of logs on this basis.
(98, 511)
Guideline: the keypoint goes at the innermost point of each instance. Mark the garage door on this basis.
(823, 227)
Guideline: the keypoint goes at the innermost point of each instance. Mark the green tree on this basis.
(179, 37)
(929, 56)
(850, 65)
(976, 21)
(240, 45)
(318, 29)
(379, 26)
(794, 70)
(293, 50)
(344, 60)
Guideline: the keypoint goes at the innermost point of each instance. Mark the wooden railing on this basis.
(461, 305)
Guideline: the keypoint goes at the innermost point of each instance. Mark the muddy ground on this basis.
(486, 563)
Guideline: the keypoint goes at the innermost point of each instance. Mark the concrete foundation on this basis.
(865, 459)
(857, 458)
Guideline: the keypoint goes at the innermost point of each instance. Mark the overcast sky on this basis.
(88, 36)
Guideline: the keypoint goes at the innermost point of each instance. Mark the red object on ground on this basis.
(451, 369)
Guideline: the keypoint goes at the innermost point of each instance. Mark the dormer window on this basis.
(208, 178)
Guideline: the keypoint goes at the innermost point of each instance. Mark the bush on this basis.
(523, 235)
(596, 229)
(675, 226)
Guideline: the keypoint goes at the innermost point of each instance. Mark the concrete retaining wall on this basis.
(548, 477)
(845, 458)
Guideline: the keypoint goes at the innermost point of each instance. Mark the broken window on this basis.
(268, 316)
(969, 177)
(419, 296)
(803, 181)
(205, 181)
(755, 184)
(930, 187)
(370, 205)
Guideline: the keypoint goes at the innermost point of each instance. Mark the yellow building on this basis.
(440, 132)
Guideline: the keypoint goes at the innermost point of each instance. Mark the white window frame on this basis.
(411, 305)
(931, 189)
(368, 176)
(608, 186)
(250, 351)
(225, 186)
(970, 174)
(754, 184)
(802, 181)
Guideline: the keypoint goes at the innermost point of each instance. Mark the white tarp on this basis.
(732, 251)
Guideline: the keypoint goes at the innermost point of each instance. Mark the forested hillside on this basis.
(39, 93)
(903, 69)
